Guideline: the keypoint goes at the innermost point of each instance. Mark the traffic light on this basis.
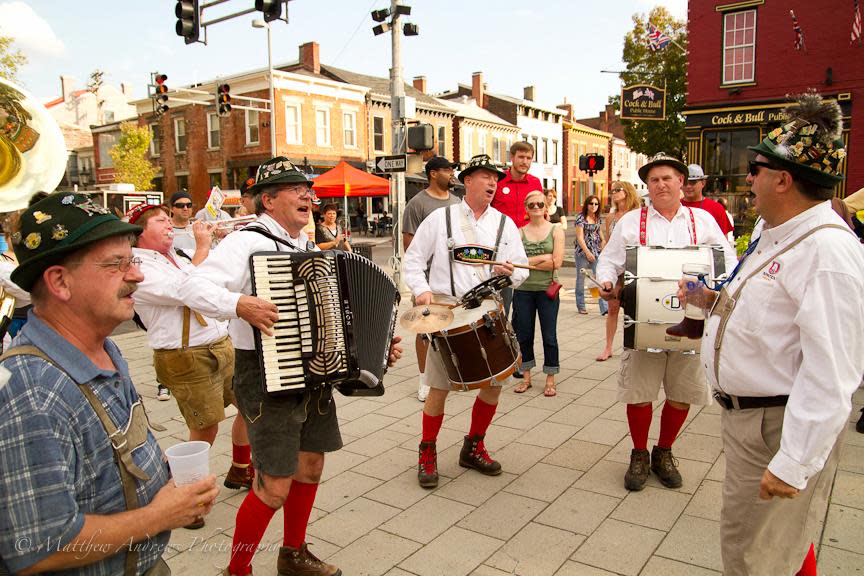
(591, 162)
(272, 9)
(223, 100)
(160, 94)
(188, 22)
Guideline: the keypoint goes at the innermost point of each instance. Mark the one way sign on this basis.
(398, 163)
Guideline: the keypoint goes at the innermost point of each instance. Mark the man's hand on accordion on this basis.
(259, 313)
(395, 351)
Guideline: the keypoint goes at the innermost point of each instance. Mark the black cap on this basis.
(438, 163)
(178, 195)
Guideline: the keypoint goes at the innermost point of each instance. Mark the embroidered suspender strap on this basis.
(726, 304)
(498, 238)
(692, 226)
(187, 313)
(122, 452)
(643, 227)
(450, 244)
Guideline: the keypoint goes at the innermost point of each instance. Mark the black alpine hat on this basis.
(481, 162)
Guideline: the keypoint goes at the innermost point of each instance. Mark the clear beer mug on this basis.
(693, 323)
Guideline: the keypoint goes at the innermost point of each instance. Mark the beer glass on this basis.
(694, 302)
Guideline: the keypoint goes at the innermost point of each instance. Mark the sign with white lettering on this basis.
(643, 102)
(397, 163)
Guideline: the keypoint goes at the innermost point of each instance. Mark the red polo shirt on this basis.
(715, 209)
(510, 197)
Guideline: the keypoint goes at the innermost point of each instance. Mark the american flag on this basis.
(657, 40)
(799, 33)
(856, 25)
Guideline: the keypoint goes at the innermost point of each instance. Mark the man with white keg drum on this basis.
(470, 225)
(668, 224)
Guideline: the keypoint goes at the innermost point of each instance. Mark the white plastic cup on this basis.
(693, 295)
(189, 461)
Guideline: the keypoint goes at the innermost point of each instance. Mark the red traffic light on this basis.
(161, 78)
(224, 89)
(592, 162)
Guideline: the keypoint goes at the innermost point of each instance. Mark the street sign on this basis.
(397, 163)
(643, 102)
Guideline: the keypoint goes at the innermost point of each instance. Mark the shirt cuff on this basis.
(790, 471)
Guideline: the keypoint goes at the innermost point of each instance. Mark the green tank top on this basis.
(538, 279)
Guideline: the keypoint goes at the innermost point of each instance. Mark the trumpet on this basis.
(229, 224)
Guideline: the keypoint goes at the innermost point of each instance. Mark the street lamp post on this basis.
(262, 24)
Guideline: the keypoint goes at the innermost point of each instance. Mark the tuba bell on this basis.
(32, 151)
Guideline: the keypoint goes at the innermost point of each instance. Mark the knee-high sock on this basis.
(252, 520)
(671, 421)
(639, 421)
(241, 454)
(808, 568)
(431, 427)
(297, 508)
(481, 417)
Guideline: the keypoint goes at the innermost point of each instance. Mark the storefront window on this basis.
(725, 158)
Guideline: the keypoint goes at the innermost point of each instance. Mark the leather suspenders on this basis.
(451, 243)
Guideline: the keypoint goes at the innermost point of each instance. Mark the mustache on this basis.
(127, 289)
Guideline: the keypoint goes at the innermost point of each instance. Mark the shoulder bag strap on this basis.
(450, 244)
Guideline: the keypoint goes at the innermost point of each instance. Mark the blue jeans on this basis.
(582, 262)
(527, 305)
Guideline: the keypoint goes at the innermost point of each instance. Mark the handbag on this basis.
(552, 289)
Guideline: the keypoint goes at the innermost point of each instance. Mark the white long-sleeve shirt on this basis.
(430, 241)
(160, 307)
(797, 330)
(22, 298)
(674, 233)
(214, 287)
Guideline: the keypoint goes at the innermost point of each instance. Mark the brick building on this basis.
(478, 131)
(741, 65)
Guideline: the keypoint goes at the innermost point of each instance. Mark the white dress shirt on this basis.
(22, 298)
(430, 241)
(160, 307)
(214, 287)
(674, 233)
(797, 330)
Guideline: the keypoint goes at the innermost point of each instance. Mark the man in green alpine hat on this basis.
(782, 347)
(71, 422)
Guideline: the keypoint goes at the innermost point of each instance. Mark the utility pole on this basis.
(397, 113)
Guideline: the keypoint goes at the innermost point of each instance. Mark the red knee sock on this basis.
(481, 417)
(808, 568)
(241, 454)
(297, 508)
(252, 520)
(671, 421)
(431, 427)
(639, 420)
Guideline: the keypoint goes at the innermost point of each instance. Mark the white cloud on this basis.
(32, 34)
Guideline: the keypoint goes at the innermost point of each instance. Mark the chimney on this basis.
(420, 83)
(528, 93)
(67, 83)
(568, 108)
(478, 88)
(309, 57)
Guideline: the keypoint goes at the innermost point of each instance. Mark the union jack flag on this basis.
(799, 33)
(657, 40)
(856, 25)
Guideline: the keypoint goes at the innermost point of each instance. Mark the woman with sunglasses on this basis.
(587, 248)
(624, 198)
(544, 245)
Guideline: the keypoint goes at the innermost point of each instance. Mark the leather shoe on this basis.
(474, 455)
(427, 467)
(196, 524)
(301, 562)
(664, 465)
(637, 473)
(240, 477)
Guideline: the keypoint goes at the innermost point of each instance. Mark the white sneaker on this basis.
(163, 394)
(422, 392)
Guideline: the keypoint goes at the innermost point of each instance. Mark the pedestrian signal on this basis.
(591, 162)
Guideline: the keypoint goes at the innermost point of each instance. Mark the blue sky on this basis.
(559, 46)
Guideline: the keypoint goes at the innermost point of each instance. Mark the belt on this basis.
(731, 402)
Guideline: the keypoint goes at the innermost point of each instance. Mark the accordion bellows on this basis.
(337, 315)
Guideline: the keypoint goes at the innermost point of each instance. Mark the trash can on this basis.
(363, 250)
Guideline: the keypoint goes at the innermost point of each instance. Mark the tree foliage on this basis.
(10, 60)
(667, 66)
(130, 157)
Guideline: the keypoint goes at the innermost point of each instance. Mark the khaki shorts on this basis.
(682, 376)
(199, 378)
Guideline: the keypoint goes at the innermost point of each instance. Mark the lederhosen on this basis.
(123, 442)
(468, 234)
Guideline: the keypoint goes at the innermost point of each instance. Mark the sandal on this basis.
(583, 312)
(549, 391)
(522, 387)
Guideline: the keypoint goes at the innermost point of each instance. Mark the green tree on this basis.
(10, 60)
(130, 157)
(667, 66)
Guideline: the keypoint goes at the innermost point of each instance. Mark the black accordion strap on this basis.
(450, 249)
(498, 238)
(275, 238)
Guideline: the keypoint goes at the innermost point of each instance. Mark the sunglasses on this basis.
(754, 165)
(614, 190)
(536, 205)
(593, 203)
(183, 205)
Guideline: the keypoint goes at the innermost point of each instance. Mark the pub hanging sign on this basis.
(643, 102)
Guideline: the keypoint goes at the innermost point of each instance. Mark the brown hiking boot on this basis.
(240, 477)
(427, 467)
(474, 455)
(664, 465)
(637, 473)
(301, 562)
(196, 524)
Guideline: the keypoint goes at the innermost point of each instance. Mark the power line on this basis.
(360, 25)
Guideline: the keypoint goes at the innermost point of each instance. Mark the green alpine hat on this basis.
(808, 145)
(56, 226)
(663, 159)
(278, 170)
(481, 162)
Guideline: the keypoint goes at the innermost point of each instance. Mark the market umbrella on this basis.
(344, 180)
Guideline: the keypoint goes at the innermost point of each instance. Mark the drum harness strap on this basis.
(643, 226)
(469, 235)
(123, 442)
(725, 304)
(251, 228)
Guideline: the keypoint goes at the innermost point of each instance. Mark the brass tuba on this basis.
(32, 151)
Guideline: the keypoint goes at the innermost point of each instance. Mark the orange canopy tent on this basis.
(343, 180)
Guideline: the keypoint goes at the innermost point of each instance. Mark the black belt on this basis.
(731, 402)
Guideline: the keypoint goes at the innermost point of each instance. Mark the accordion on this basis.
(337, 315)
